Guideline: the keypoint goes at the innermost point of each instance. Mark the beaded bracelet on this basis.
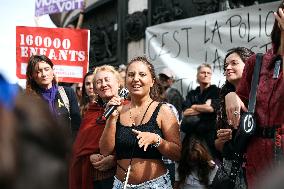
(157, 144)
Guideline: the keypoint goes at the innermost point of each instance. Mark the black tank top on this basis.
(125, 139)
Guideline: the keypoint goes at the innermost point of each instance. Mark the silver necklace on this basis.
(140, 112)
(130, 116)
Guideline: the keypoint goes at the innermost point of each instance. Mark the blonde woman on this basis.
(89, 169)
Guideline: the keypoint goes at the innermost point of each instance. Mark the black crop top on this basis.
(125, 139)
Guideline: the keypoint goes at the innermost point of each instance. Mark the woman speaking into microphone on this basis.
(141, 132)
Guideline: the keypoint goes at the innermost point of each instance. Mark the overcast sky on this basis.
(16, 13)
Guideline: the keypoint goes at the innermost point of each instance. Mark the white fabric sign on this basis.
(183, 45)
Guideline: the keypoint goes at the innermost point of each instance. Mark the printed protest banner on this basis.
(185, 44)
(67, 48)
(53, 6)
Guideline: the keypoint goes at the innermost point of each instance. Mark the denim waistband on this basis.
(161, 182)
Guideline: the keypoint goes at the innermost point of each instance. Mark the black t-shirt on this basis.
(196, 97)
(206, 128)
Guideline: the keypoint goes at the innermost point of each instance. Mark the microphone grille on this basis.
(123, 93)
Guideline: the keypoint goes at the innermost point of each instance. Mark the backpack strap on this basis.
(64, 97)
(254, 82)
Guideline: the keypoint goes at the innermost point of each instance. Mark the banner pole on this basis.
(81, 16)
(36, 21)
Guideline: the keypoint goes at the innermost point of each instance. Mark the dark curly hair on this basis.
(244, 54)
(154, 91)
(195, 157)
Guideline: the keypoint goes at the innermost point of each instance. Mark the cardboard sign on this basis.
(67, 48)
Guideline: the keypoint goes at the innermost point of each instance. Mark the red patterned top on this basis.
(269, 112)
(82, 173)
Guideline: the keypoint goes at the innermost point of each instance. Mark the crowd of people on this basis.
(153, 137)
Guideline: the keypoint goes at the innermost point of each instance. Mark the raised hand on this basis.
(146, 138)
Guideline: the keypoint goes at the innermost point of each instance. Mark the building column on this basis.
(136, 48)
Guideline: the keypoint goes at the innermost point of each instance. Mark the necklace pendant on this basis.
(133, 125)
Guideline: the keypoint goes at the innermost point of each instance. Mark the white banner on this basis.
(183, 45)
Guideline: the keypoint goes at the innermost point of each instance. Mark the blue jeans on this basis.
(162, 182)
(171, 168)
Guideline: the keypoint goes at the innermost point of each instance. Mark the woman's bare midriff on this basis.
(141, 170)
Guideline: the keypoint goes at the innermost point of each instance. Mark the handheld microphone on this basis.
(122, 94)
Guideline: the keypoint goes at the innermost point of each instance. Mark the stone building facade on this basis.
(118, 26)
